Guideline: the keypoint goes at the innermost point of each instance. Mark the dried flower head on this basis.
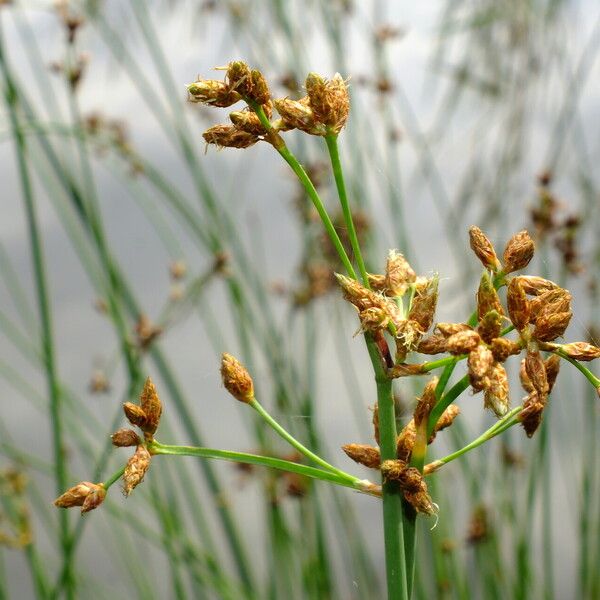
(236, 379)
(363, 454)
(228, 136)
(490, 327)
(581, 351)
(136, 468)
(518, 252)
(479, 363)
(517, 304)
(124, 438)
(531, 415)
(434, 344)
(85, 494)
(398, 274)
(135, 415)
(502, 348)
(405, 441)
(463, 342)
(496, 394)
(536, 371)
(329, 100)
(297, 114)
(215, 93)
(415, 491)
(152, 407)
(483, 249)
(548, 327)
(448, 329)
(247, 121)
(487, 298)
(424, 303)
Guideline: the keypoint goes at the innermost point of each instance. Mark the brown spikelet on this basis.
(426, 402)
(236, 379)
(518, 305)
(329, 100)
(535, 286)
(434, 344)
(536, 371)
(518, 252)
(135, 415)
(581, 351)
(490, 326)
(398, 274)
(297, 114)
(391, 470)
(363, 454)
(247, 121)
(446, 419)
(228, 136)
(503, 348)
(487, 297)
(214, 93)
(551, 302)
(377, 282)
(152, 407)
(463, 342)
(548, 327)
(448, 329)
(259, 90)
(479, 362)
(123, 438)
(415, 491)
(496, 395)
(424, 304)
(524, 379)
(405, 441)
(408, 335)
(136, 468)
(483, 249)
(552, 365)
(531, 415)
(373, 319)
(85, 494)
(94, 499)
(238, 78)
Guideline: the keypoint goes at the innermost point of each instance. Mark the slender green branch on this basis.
(334, 155)
(294, 442)
(586, 372)
(346, 480)
(114, 478)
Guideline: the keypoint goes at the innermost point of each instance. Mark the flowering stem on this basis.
(499, 427)
(277, 142)
(267, 461)
(336, 165)
(283, 433)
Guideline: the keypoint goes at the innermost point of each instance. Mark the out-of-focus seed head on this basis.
(502, 348)
(135, 469)
(581, 351)
(490, 326)
(479, 363)
(496, 395)
(85, 494)
(424, 304)
(297, 114)
(228, 136)
(329, 100)
(398, 274)
(448, 329)
(487, 298)
(123, 438)
(536, 371)
(463, 342)
(434, 344)
(236, 379)
(518, 305)
(552, 364)
(135, 415)
(247, 121)
(152, 407)
(215, 93)
(483, 249)
(363, 454)
(548, 327)
(531, 415)
(518, 252)
(405, 441)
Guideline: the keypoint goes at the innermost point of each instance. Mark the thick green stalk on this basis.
(395, 559)
(334, 155)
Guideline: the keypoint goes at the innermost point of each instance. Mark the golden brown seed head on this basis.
(377, 282)
(496, 395)
(552, 364)
(398, 274)
(551, 302)
(424, 304)
(85, 494)
(236, 379)
(215, 93)
(391, 470)
(463, 342)
(483, 249)
(247, 121)
(363, 454)
(490, 327)
(329, 100)
(135, 415)
(531, 415)
(152, 407)
(548, 327)
(581, 351)
(426, 402)
(524, 379)
(518, 305)
(536, 371)
(518, 252)
(405, 441)
(479, 363)
(297, 114)
(503, 348)
(239, 78)
(487, 298)
(536, 285)
(259, 90)
(448, 329)
(373, 319)
(123, 438)
(415, 491)
(446, 419)
(136, 468)
(434, 344)
(228, 136)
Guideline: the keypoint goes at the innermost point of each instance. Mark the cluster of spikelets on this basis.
(146, 416)
(322, 111)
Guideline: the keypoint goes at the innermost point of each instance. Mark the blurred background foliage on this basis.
(126, 250)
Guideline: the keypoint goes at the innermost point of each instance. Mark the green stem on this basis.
(393, 519)
(266, 461)
(586, 372)
(113, 478)
(294, 442)
(334, 155)
(277, 142)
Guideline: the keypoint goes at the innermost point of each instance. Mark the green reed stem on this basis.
(336, 165)
(344, 480)
(595, 381)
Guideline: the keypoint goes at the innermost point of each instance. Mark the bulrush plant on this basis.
(396, 312)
